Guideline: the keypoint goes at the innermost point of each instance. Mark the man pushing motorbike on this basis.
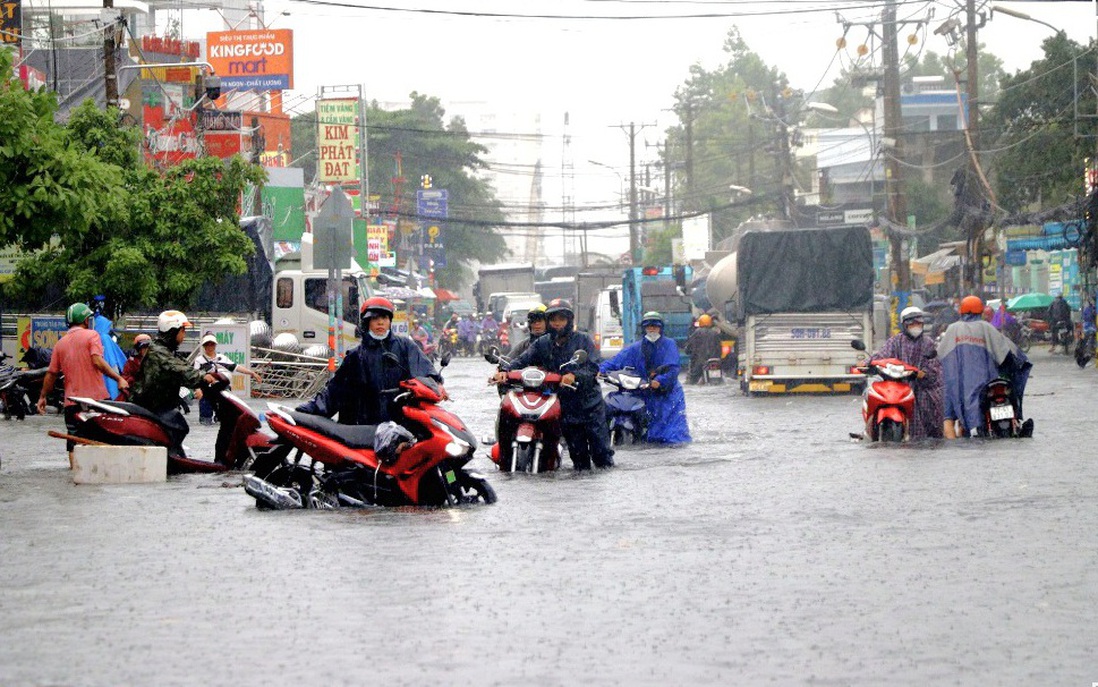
(355, 390)
(583, 410)
(917, 349)
(973, 353)
(156, 386)
(656, 358)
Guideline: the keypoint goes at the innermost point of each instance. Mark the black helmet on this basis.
(560, 305)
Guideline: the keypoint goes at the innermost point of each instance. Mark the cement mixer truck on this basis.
(797, 297)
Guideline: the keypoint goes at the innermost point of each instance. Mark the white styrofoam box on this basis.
(119, 464)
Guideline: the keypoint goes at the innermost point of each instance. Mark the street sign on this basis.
(432, 202)
(333, 233)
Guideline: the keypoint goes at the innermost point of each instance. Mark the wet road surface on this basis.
(773, 550)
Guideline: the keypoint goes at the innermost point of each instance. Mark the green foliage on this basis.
(658, 249)
(427, 145)
(1041, 161)
(140, 238)
(49, 185)
(729, 133)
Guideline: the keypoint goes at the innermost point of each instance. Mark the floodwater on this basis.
(773, 550)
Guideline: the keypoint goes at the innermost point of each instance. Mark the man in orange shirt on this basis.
(79, 356)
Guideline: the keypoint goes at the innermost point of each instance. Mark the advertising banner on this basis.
(234, 342)
(337, 140)
(40, 331)
(377, 250)
(170, 137)
(695, 237)
(222, 120)
(259, 60)
(11, 22)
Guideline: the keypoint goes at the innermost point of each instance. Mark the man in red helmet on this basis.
(973, 353)
(354, 391)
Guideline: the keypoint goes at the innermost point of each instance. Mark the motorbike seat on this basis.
(32, 375)
(134, 409)
(351, 436)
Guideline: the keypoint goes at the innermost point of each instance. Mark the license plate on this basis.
(613, 341)
(763, 385)
(450, 477)
(1002, 413)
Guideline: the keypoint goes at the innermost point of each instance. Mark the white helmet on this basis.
(171, 319)
(912, 313)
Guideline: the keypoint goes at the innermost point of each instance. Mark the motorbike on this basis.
(118, 423)
(999, 406)
(625, 410)
(1084, 350)
(20, 389)
(529, 432)
(1063, 335)
(336, 465)
(486, 341)
(888, 402)
(448, 343)
(429, 349)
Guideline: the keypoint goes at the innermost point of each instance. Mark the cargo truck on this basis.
(503, 278)
(797, 297)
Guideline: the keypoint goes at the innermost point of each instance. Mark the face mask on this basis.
(914, 332)
(377, 337)
(653, 337)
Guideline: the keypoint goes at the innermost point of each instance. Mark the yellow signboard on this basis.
(337, 140)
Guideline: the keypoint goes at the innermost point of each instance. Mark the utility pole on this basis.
(893, 127)
(785, 171)
(976, 232)
(110, 76)
(634, 227)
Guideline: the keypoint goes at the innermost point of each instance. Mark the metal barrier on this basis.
(287, 375)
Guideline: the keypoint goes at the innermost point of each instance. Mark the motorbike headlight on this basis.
(454, 449)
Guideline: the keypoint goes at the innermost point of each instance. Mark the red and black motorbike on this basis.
(1002, 414)
(888, 402)
(117, 423)
(336, 465)
(529, 433)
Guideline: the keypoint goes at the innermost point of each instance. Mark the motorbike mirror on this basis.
(445, 359)
(932, 354)
(857, 344)
(662, 369)
(492, 356)
(580, 357)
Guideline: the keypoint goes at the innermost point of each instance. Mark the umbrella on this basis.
(399, 293)
(937, 305)
(1029, 301)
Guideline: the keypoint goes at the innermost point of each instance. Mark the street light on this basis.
(1021, 15)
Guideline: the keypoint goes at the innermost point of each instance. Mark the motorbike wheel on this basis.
(617, 436)
(474, 488)
(890, 431)
(290, 476)
(1025, 343)
(524, 457)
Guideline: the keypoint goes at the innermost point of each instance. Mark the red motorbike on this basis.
(241, 444)
(529, 431)
(889, 399)
(336, 465)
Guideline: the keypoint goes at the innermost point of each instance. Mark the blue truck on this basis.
(656, 288)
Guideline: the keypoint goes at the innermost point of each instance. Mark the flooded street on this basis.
(773, 550)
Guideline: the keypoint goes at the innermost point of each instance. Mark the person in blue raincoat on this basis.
(664, 399)
(973, 353)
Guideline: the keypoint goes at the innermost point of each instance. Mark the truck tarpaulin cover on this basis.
(805, 270)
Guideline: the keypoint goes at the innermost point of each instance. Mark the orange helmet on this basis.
(705, 321)
(972, 305)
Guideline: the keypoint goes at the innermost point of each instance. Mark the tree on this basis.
(49, 185)
(731, 123)
(1041, 160)
(153, 239)
(427, 146)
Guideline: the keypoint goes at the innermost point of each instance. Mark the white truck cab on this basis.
(300, 299)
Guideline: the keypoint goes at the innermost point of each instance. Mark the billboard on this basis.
(259, 60)
(11, 22)
(337, 140)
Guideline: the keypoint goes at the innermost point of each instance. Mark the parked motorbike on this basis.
(625, 410)
(117, 423)
(1084, 350)
(529, 431)
(336, 465)
(888, 402)
(20, 389)
(1002, 415)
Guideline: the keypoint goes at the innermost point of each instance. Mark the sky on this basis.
(604, 72)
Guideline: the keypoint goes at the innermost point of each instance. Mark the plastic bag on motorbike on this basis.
(387, 441)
